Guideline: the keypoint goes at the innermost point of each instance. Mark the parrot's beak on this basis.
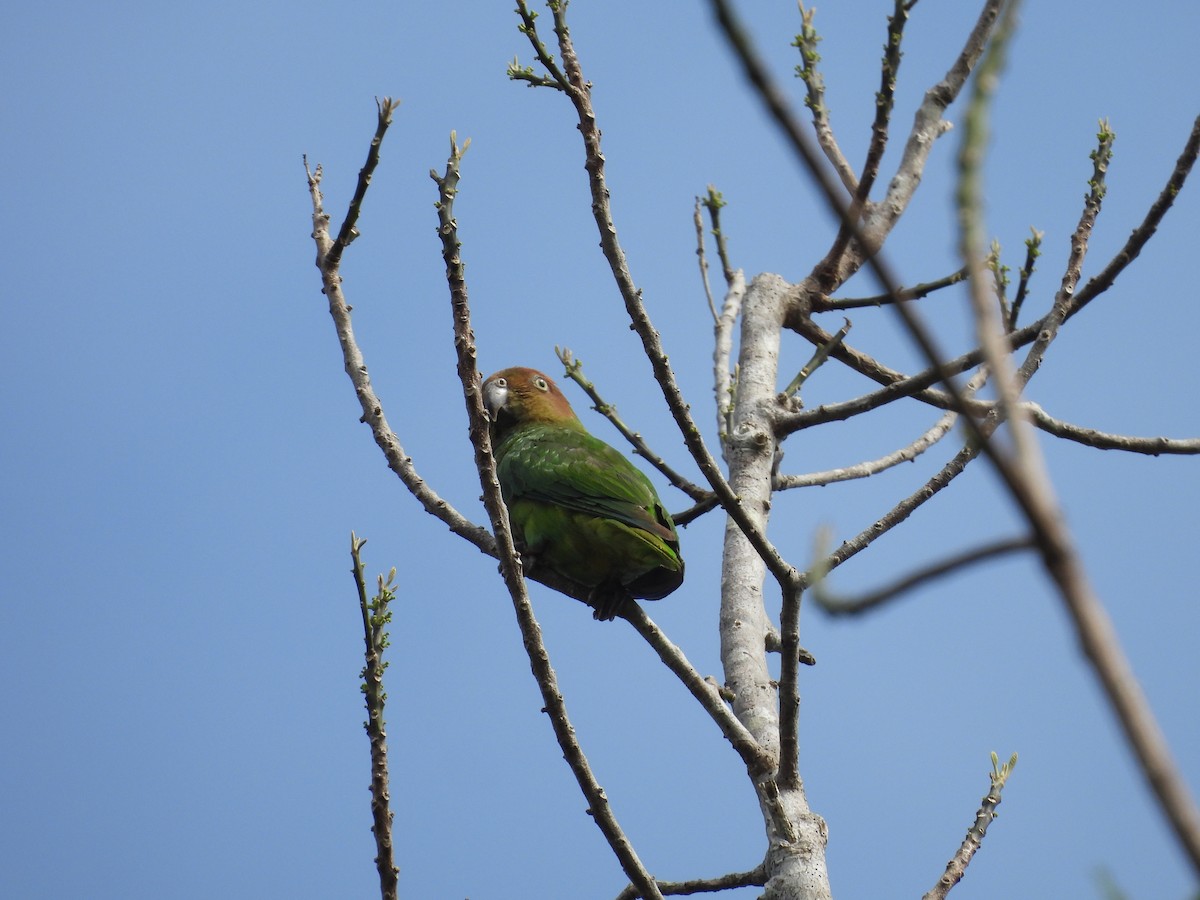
(495, 395)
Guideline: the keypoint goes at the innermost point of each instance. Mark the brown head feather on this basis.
(519, 396)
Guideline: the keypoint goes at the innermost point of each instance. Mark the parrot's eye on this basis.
(540, 384)
(501, 382)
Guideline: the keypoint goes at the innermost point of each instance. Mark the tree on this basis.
(755, 709)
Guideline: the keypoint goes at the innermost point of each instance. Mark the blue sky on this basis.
(179, 640)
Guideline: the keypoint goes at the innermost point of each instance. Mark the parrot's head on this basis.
(520, 396)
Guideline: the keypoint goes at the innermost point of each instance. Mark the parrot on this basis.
(577, 506)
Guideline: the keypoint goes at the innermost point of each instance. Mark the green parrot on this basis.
(577, 506)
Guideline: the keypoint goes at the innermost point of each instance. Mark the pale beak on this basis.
(495, 395)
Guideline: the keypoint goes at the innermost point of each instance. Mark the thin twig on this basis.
(1033, 249)
(1102, 440)
(1137, 240)
(1063, 300)
(756, 877)
(806, 42)
(702, 260)
(696, 510)
(853, 606)
(897, 513)
(957, 867)
(517, 72)
(348, 232)
(929, 125)
(510, 564)
(714, 201)
(1000, 280)
(735, 281)
(574, 370)
(757, 761)
(884, 99)
(774, 644)
(916, 292)
(817, 360)
(376, 616)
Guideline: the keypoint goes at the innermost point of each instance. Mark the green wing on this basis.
(570, 468)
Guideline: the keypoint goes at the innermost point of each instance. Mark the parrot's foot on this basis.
(606, 601)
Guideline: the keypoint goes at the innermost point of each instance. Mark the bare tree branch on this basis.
(348, 232)
(510, 563)
(714, 202)
(735, 283)
(806, 42)
(528, 27)
(1079, 245)
(574, 370)
(796, 836)
(696, 510)
(871, 467)
(1154, 446)
(1033, 249)
(853, 606)
(375, 617)
(928, 125)
(756, 877)
(789, 688)
(747, 747)
(896, 385)
(957, 867)
(1137, 240)
(702, 260)
(916, 292)
(896, 514)
(884, 99)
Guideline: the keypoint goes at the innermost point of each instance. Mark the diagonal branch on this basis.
(957, 867)
(1079, 247)
(510, 563)
(897, 513)
(853, 606)
(348, 232)
(574, 371)
(579, 91)
(1137, 240)
(906, 453)
(756, 759)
